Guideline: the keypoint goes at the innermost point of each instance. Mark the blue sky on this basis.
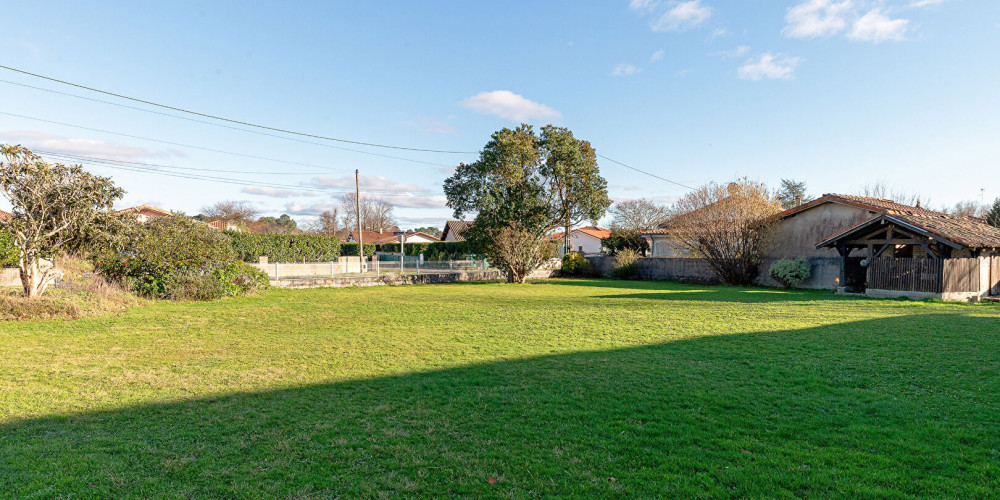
(838, 93)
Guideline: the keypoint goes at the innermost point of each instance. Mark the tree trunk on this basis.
(34, 280)
(566, 247)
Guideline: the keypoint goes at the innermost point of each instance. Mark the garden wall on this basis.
(825, 270)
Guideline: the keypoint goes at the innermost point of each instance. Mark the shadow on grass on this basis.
(904, 404)
(677, 291)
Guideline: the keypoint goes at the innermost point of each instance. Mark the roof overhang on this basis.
(831, 242)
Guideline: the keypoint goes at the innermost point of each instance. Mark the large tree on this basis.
(728, 226)
(514, 185)
(636, 215)
(578, 191)
(327, 223)
(376, 213)
(792, 193)
(53, 205)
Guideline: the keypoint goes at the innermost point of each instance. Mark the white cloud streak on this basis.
(817, 18)
(273, 192)
(826, 18)
(78, 146)
(509, 106)
(877, 27)
(769, 66)
(625, 69)
(656, 56)
(681, 16)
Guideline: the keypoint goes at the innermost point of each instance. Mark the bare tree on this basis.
(639, 214)
(968, 209)
(326, 223)
(881, 189)
(727, 225)
(232, 211)
(376, 213)
(514, 249)
(53, 204)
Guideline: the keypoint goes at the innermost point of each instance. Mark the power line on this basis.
(238, 122)
(204, 122)
(72, 157)
(645, 172)
(174, 143)
(142, 168)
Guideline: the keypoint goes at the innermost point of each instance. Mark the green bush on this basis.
(626, 264)
(178, 258)
(436, 250)
(790, 273)
(240, 278)
(8, 252)
(623, 238)
(351, 249)
(250, 247)
(575, 264)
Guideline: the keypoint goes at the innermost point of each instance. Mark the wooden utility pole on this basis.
(357, 205)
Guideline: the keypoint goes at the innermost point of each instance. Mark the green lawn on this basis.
(551, 389)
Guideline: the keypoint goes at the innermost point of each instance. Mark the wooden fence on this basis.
(910, 275)
(961, 275)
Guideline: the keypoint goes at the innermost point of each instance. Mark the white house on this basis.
(586, 240)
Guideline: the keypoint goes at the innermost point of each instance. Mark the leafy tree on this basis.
(729, 226)
(639, 214)
(792, 193)
(993, 215)
(280, 225)
(431, 230)
(53, 204)
(578, 190)
(514, 185)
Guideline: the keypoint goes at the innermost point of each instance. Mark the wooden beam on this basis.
(862, 243)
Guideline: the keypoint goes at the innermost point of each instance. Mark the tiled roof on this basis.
(5, 216)
(868, 203)
(423, 235)
(377, 237)
(968, 232)
(457, 227)
(597, 232)
(141, 208)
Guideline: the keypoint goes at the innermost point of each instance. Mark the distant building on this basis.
(586, 240)
(143, 213)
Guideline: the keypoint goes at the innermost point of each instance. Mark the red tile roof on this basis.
(597, 232)
(868, 203)
(457, 227)
(5, 216)
(376, 237)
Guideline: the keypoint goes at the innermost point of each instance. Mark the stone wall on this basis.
(824, 270)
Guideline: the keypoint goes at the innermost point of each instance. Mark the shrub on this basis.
(625, 238)
(176, 258)
(250, 247)
(8, 252)
(575, 264)
(437, 250)
(790, 273)
(626, 264)
(240, 278)
(351, 249)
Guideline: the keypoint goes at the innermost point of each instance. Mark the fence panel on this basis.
(906, 274)
(961, 275)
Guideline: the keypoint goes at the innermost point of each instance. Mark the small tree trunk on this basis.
(34, 280)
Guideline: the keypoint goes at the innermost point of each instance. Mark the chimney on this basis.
(798, 200)
(918, 202)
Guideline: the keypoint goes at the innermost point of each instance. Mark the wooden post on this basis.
(361, 237)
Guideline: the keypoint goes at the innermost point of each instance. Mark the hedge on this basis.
(437, 250)
(250, 247)
(351, 249)
(8, 252)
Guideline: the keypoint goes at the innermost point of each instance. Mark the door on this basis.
(995, 275)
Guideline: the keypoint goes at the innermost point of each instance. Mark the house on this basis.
(420, 237)
(144, 213)
(5, 216)
(586, 240)
(454, 229)
(374, 237)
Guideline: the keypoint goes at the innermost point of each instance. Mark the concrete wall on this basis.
(349, 281)
(10, 276)
(824, 270)
(797, 236)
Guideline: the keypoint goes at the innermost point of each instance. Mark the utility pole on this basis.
(361, 238)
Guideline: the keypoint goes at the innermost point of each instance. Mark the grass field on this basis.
(569, 388)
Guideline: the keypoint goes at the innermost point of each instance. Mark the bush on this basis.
(575, 264)
(351, 249)
(240, 278)
(8, 252)
(437, 250)
(250, 247)
(623, 238)
(626, 264)
(790, 273)
(178, 258)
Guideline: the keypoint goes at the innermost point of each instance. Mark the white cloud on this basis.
(625, 69)
(926, 3)
(509, 106)
(643, 5)
(397, 200)
(817, 18)
(681, 16)
(877, 27)
(717, 33)
(740, 51)
(77, 146)
(368, 183)
(277, 192)
(769, 66)
(656, 56)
